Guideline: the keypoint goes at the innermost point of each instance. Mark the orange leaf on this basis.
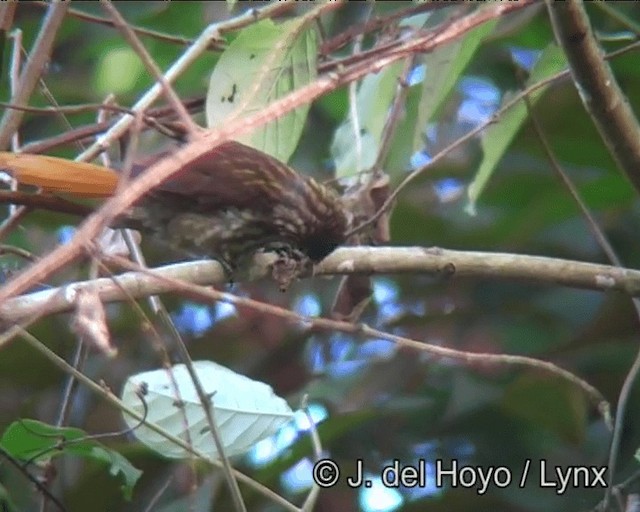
(59, 175)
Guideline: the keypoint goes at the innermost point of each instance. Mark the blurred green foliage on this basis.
(380, 407)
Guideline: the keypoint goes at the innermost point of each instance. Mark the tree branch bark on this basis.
(352, 260)
(599, 91)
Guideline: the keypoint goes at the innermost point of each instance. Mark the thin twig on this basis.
(468, 358)
(17, 251)
(395, 113)
(32, 70)
(348, 327)
(14, 78)
(10, 223)
(354, 115)
(155, 34)
(310, 502)
(46, 493)
(200, 45)
(153, 118)
(111, 399)
(251, 16)
(606, 247)
(619, 129)
(44, 201)
(377, 23)
(153, 502)
(135, 43)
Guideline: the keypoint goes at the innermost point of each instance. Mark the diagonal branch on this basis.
(599, 91)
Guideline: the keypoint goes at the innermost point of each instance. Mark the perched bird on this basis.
(231, 202)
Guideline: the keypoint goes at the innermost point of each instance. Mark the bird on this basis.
(227, 204)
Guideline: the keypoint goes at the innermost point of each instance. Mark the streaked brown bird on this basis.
(227, 204)
(235, 200)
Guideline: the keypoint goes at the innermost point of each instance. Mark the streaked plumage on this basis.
(235, 200)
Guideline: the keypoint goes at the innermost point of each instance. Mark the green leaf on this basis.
(497, 138)
(34, 441)
(443, 69)
(556, 405)
(399, 159)
(246, 410)
(373, 100)
(528, 215)
(264, 63)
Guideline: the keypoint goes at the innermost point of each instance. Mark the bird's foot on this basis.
(289, 266)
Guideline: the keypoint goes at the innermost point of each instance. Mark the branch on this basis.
(44, 201)
(205, 294)
(352, 260)
(162, 170)
(30, 75)
(599, 91)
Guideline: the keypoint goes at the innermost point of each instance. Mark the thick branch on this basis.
(597, 85)
(353, 260)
